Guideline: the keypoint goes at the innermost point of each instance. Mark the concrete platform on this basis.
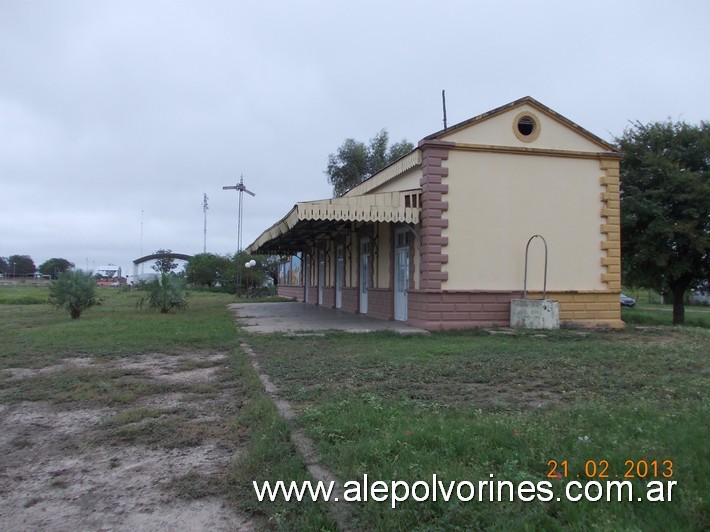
(295, 318)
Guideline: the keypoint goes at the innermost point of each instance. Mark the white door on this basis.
(321, 275)
(306, 275)
(364, 273)
(339, 275)
(401, 274)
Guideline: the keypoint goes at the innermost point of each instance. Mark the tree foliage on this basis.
(53, 267)
(230, 274)
(269, 264)
(208, 269)
(241, 278)
(20, 265)
(3, 265)
(166, 264)
(354, 161)
(74, 291)
(665, 208)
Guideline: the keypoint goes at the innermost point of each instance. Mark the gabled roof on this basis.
(439, 135)
(413, 158)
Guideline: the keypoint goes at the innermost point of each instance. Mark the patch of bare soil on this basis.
(528, 396)
(60, 469)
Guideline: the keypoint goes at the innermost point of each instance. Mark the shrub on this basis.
(166, 293)
(74, 291)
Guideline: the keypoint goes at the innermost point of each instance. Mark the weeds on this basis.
(74, 291)
(466, 405)
(166, 293)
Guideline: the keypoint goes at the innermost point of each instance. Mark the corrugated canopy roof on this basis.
(309, 221)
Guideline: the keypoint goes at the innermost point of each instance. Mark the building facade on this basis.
(438, 238)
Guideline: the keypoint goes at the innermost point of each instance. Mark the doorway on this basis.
(339, 275)
(401, 274)
(365, 247)
(321, 275)
(306, 276)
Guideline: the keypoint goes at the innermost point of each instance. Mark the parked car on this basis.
(627, 301)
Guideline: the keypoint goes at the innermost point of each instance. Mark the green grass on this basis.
(24, 295)
(465, 405)
(36, 340)
(85, 385)
(461, 405)
(647, 314)
(34, 335)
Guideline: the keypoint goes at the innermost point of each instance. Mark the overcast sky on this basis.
(117, 116)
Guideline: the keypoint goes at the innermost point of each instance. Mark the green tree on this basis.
(74, 291)
(53, 267)
(270, 265)
(237, 278)
(3, 265)
(354, 161)
(207, 269)
(165, 264)
(665, 208)
(21, 265)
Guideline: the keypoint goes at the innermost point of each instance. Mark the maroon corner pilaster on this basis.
(432, 219)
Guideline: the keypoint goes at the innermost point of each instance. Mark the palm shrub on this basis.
(166, 293)
(75, 291)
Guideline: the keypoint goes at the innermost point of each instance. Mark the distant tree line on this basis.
(24, 266)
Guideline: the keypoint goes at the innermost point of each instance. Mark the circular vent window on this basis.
(526, 127)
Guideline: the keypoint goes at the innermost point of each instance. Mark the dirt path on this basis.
(151, 463)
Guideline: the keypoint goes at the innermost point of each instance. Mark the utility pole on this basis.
(239, 187)
(141, 241)
(204, 209)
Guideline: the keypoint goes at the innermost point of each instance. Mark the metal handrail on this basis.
(525, 280)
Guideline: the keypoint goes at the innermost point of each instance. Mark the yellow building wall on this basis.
(497, 201)
(384, 253)
(587, 308)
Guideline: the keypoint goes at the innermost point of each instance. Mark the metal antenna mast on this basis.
(241, 188)
(443, 105)
(204, 209)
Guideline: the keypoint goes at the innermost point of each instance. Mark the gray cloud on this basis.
(108, 109)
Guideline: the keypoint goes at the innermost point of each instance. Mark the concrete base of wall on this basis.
(328, 297)
(380, 304)
(351, 300)
(439, 310)
(294, 292)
